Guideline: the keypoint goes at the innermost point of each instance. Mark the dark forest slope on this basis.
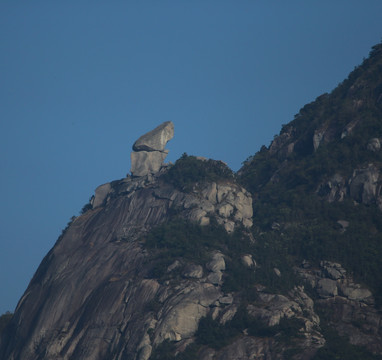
(320, 179)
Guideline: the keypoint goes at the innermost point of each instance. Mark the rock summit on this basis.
(149, 150)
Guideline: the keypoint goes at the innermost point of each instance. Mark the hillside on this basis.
(320, 178)
(192, 261)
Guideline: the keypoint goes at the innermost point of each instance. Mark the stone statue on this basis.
(149, 150)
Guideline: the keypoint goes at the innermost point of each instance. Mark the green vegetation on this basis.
(86, 207)
(164, 351)
(287, 187)
(179, 239)
(210, 332)
(308, 229)
(189, 170)
(70, 222)
(293, 220)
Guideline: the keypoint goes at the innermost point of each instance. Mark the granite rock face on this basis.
(374, 145)
(364, 183)
(363, 186)
(149, 150)
(92, 295)
(350, 305)
(155, 140)
(146, 162)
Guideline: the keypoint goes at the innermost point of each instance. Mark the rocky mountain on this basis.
(191, 261)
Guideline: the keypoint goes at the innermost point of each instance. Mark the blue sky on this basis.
(80, 81)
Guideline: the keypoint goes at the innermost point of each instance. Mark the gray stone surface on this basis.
(344, 224)
(350, 305)
(155, 140)
(217, 263)
(335, 189)
(247, 260)
(175, 265)
(149, 150)
(317, 138)
(228, 313)
(145, 352)
(215, 277)
(277, 272)
(181, 313)
(327, 288)
(232, 204)
(354, 292)
(333, 270)
(146, 162)
(193, 271)
(280, 143)
(210, 193)
(91, 274)
(92, 293)
(374, 145)
(100, 194)
(226, 300)
(275, 307)
(225, 210)
(363, 184)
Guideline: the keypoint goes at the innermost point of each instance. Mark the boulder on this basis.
(243, 204)
(145, 352)
(224, 192)
(334, 189)
(149, 150)
(363, 184)
(226, 300)
(344, 225)
(180, 315)
(204, 220)
(271, 308)
(228, 314)
(332, 270)
(196, 215)
(374, 145)
(146, 162)
(210, 192)
(225, 210)
(175, 265)
(228, 203)
(354, 292)
(215, 278)
(100, 194)
(193, 271)
(277, 272)
(327, 288)
(155, 140)
(247, 261)
(217, 263)
(228, 225)
(317, 138)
